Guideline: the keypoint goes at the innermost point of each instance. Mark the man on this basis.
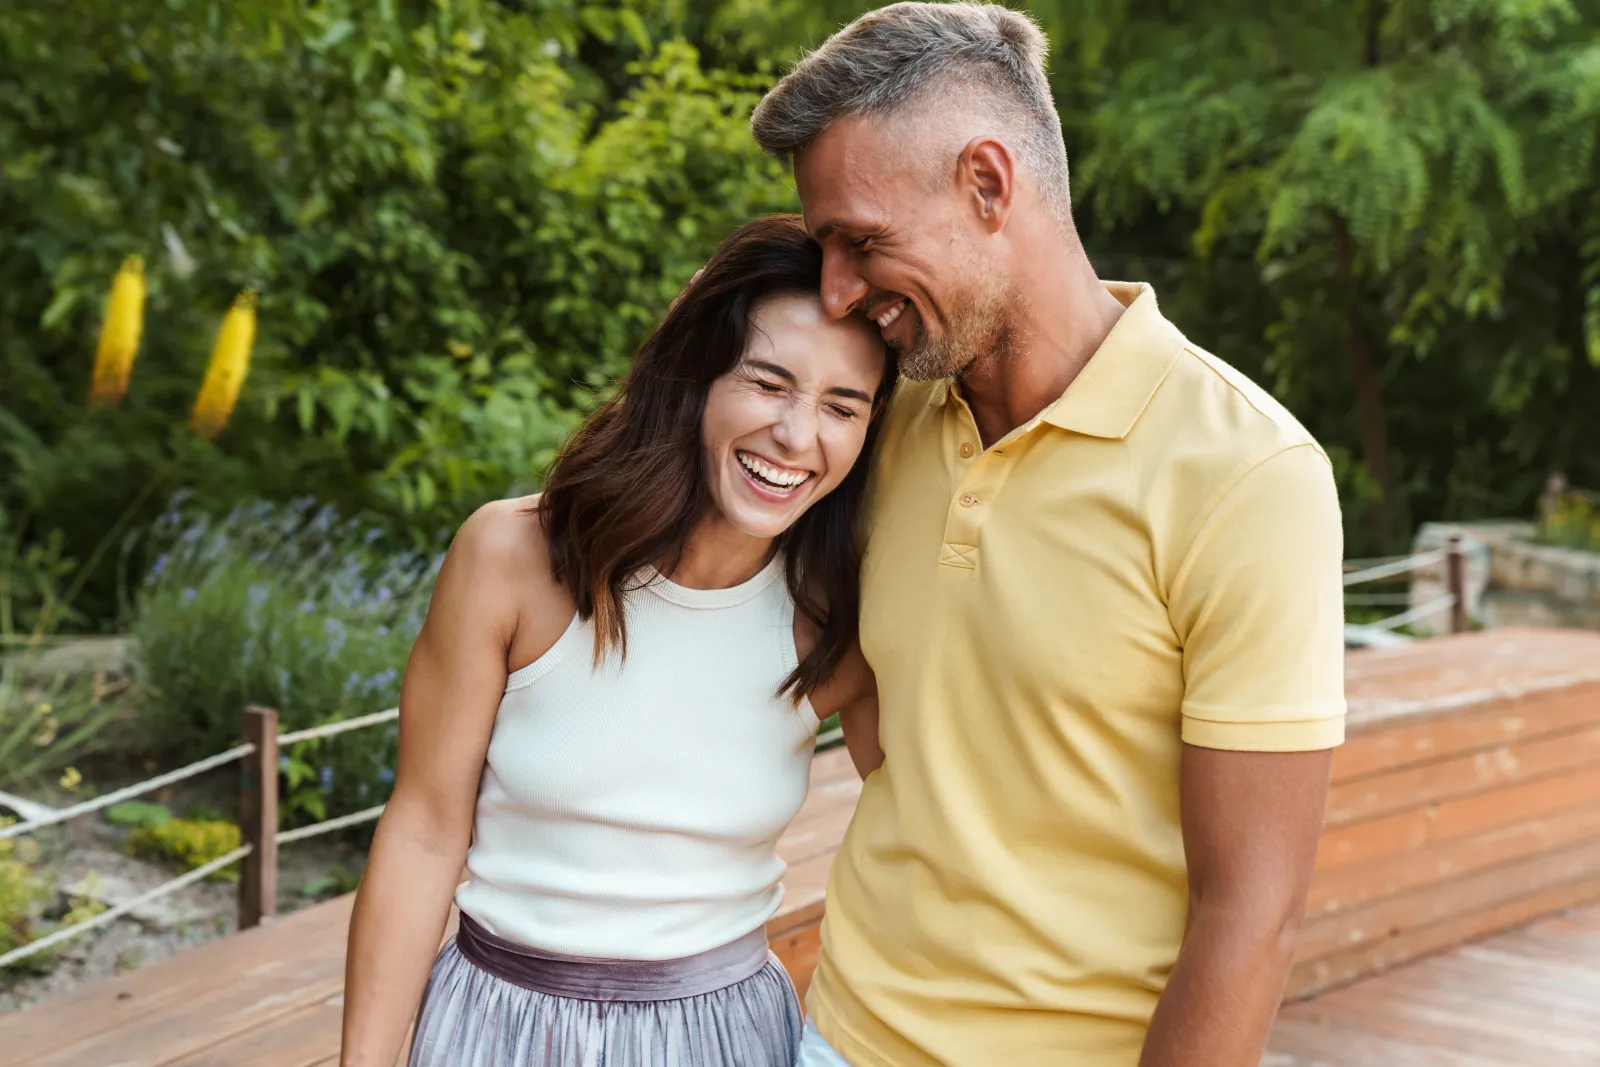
(1101, 597)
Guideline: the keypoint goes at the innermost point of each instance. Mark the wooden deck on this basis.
(1465, 806)
(1528, 998)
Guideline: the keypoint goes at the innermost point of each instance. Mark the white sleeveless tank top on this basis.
(632, 810)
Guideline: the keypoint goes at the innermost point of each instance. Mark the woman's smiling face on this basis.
(783, 428)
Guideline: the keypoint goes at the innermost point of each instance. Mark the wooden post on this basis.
(1456, 580)
(258, 819)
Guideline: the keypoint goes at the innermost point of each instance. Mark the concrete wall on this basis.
(1511, 579)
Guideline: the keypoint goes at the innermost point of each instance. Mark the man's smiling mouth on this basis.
(886, 319)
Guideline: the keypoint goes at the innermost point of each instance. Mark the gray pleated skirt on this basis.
(494, 1003)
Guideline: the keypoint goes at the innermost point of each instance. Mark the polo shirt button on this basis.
(966, 450)
(967, 500)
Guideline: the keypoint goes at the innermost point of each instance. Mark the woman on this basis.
(634, 665)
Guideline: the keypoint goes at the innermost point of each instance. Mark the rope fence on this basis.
(1453, 556)
(332, 729)
(138, 789)
(259, 836)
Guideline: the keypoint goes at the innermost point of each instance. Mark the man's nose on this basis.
(843, 289)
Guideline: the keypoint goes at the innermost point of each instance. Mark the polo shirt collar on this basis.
(1115, 386)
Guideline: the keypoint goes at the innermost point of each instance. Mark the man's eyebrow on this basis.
(825, 231)
(787, 375)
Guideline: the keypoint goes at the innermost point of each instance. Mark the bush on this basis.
(190, 843)
(49, 717)
(288, 608)
(461, 219)
(1574, 522)
(22, 891)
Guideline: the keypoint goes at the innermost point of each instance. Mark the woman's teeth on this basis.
(886, 320)
(778, 479)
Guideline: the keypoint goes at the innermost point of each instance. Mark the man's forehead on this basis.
(844, 177)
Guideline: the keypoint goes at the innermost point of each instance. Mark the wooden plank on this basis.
(1524, 998)
(1462, 775)
(305, 1037)
(1469, 730)
(1314, 976)
(1392, 916)
(1339, 888)
(185, 1002)
(1447, 676)
(1392, 835)
(1315, 1043)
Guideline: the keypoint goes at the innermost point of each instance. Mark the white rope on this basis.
(1432, 607)
(1375, 600)
(327, 826)
(33, 948)
(332, 728)
(1400, 566)
(118, 796)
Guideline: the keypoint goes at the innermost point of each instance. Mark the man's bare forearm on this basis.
(1223, 994)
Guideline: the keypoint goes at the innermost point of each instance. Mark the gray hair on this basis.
(910, 54)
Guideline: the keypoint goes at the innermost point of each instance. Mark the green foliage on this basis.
(23, 891)
(138, 813)
(289, 608)
(336, 882)
(1574, 522)
(189, 843)
(49, 718)
(461, 219)
(1396, 197)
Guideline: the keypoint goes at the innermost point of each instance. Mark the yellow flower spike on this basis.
(119, 335)
(71, 779)
(230, 362)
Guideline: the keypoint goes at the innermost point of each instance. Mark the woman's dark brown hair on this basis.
(630, 485)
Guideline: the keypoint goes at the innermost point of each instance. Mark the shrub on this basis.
(289, 608)
(190, 843)
(1574, 522)
(49, 717)
(22, 891)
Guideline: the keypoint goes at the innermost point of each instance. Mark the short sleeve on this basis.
(1258, 605)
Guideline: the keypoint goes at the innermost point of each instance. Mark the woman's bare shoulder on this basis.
(505, 537)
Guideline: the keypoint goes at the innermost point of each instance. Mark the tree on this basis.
(1404, 175)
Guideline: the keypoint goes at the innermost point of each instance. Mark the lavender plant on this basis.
(289, 607)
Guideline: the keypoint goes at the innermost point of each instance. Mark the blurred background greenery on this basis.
(460, 216)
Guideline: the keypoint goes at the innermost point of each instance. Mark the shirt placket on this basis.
(979, 474)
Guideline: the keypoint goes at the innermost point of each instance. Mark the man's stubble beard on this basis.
(978, 332)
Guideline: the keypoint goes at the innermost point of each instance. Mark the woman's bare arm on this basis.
(452, 689)
(852, 694)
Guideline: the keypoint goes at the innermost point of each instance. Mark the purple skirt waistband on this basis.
(613, 980)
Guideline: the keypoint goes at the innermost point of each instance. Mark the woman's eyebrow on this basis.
(788, 375)
(772, 368)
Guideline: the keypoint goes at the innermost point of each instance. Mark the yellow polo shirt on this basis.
(1154, 559)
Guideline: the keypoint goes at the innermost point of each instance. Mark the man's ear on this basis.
(988, 171)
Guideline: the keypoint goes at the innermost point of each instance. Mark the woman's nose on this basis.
(796, 431)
